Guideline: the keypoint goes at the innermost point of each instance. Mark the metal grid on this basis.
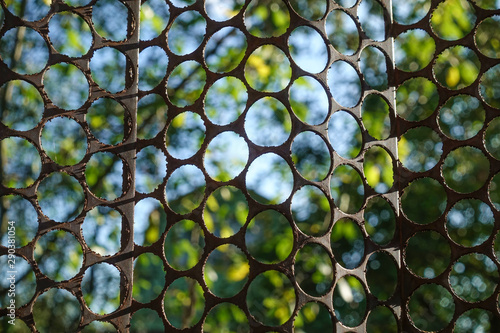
(127, 150)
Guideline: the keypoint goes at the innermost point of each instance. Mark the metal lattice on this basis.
(212, 75)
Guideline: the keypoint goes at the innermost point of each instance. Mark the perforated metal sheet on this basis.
(178, 101)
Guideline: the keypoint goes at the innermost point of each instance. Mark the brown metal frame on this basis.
(126, 150)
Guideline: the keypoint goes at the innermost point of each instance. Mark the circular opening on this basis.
(349, 301)
(226, 211)
(269, 237)
(347, 243)
(271, 298)
(314, 270)
(184, 245)
(185, 189)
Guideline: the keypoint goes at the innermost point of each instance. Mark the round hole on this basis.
(489, 85)
(226, 317)
(223, 10)
(349, 301)
(313, 317)
(427, 192)
(149, 277)
(382, 275)
(457, 67)
(226, 211)
(102, 230)
(19, 210)
(378, 169)
(101, 288)
(470, 222)
(269, 237)
(108, 68)
(269, 179)
(152, 114)
(184, 295)
(106, 118)
(465, 169)
(225, 50)
(308, 49)
(21, 165)
(225, 100)
(64, 141)
(309, 100)
(411, 11)
(186, 33)
(108, 18)
(420, 149)
(64, 204)
(347, 189)
(34, 53)
(150, 221)
(414, 50)
(31, 11)
(267, 18)
(57, 310)
(311, 156)
(59, 255)
(344, 83)
(66, 86)
(347, 243)
(431, 307)
(314, 270)
(271, 298)
(276, 73)
(185, 135)
(462, 117)
(371, 17)
(342, 32)
(381, 319)
(375, 115)
(453, 19)
(153, 62)
(416, 99)
(104, 175)
(226, 270)
(475, 319)
(311, 211)
(486, 41)
(267, 122)
(226, 156)
(312, 11)
(427, 254)
(186, 83)
(374, 68)
(380, 220)
(185, 189)
(70, 34)
(151, 169)
(345, 135)
(23, 105)
(154, 18)
(184, 245)
(474, 277)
